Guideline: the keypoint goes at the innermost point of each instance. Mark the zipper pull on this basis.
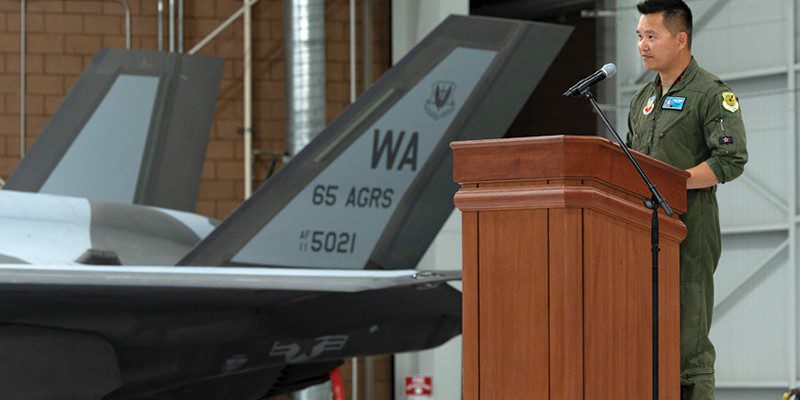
(721, 125)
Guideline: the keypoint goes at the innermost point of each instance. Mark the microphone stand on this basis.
(655, 202)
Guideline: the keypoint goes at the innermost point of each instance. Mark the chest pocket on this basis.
(676, 123)
(681, 141)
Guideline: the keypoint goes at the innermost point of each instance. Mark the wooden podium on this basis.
(557, 270)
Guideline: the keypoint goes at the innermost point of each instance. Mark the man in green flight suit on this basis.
(690, 119)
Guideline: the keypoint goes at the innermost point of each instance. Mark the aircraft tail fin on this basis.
(133, 129)
(374, 188)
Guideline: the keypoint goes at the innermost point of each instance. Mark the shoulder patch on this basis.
(651, 104)
(730, 102)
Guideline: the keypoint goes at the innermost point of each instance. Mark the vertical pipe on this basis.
(369, 377)
(791, 59)
(366, 82)
(354, 378)
(180, 26)
(160, 25)
(354, 360)
(22, 67)
(171, 26)
(127, 23)
(248, 99)
(305, 72)
(367, 73)
(304, 32)
(352, 51)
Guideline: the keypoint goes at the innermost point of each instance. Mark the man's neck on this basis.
(671, 75)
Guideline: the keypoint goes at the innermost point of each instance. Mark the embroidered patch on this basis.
(726, 140)
(651, 105)
(730, 102)
(674, 103)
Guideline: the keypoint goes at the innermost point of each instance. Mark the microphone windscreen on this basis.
(609, 69)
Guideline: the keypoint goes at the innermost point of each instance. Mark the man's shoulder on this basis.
(716, 92)
(708, 83)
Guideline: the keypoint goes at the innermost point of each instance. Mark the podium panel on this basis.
(557, 271)
(513, 309)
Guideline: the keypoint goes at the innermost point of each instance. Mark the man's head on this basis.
(665, 33)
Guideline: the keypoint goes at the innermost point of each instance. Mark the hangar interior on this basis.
(752, 45)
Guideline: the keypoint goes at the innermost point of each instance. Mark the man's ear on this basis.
(683, 39)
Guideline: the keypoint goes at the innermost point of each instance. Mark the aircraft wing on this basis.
(211, 279)
(120, 332)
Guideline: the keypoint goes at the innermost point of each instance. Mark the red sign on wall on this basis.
(419, 386)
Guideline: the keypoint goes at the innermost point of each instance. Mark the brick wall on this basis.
(62, 36)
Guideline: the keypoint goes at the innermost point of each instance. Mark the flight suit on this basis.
(697, 120)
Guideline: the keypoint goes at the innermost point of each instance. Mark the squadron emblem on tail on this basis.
(441, 102)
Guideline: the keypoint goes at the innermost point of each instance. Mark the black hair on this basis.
(677, 15)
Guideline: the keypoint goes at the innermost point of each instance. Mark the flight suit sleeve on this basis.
(725, 134)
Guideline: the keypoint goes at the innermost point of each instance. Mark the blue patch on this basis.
(674, 103)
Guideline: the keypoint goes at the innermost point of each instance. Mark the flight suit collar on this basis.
(684, 79)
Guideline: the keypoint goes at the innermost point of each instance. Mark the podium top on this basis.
(565, 157)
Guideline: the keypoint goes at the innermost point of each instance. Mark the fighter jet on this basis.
(110, 287)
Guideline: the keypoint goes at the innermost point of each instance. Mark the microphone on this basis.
(607, 71)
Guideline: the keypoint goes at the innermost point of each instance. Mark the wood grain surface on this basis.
(570, 157)
(514, 337)
(470, 361)
(557, 272)
(566, 303)
(617, 296)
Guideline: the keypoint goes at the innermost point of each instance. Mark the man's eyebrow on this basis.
(647, 31)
